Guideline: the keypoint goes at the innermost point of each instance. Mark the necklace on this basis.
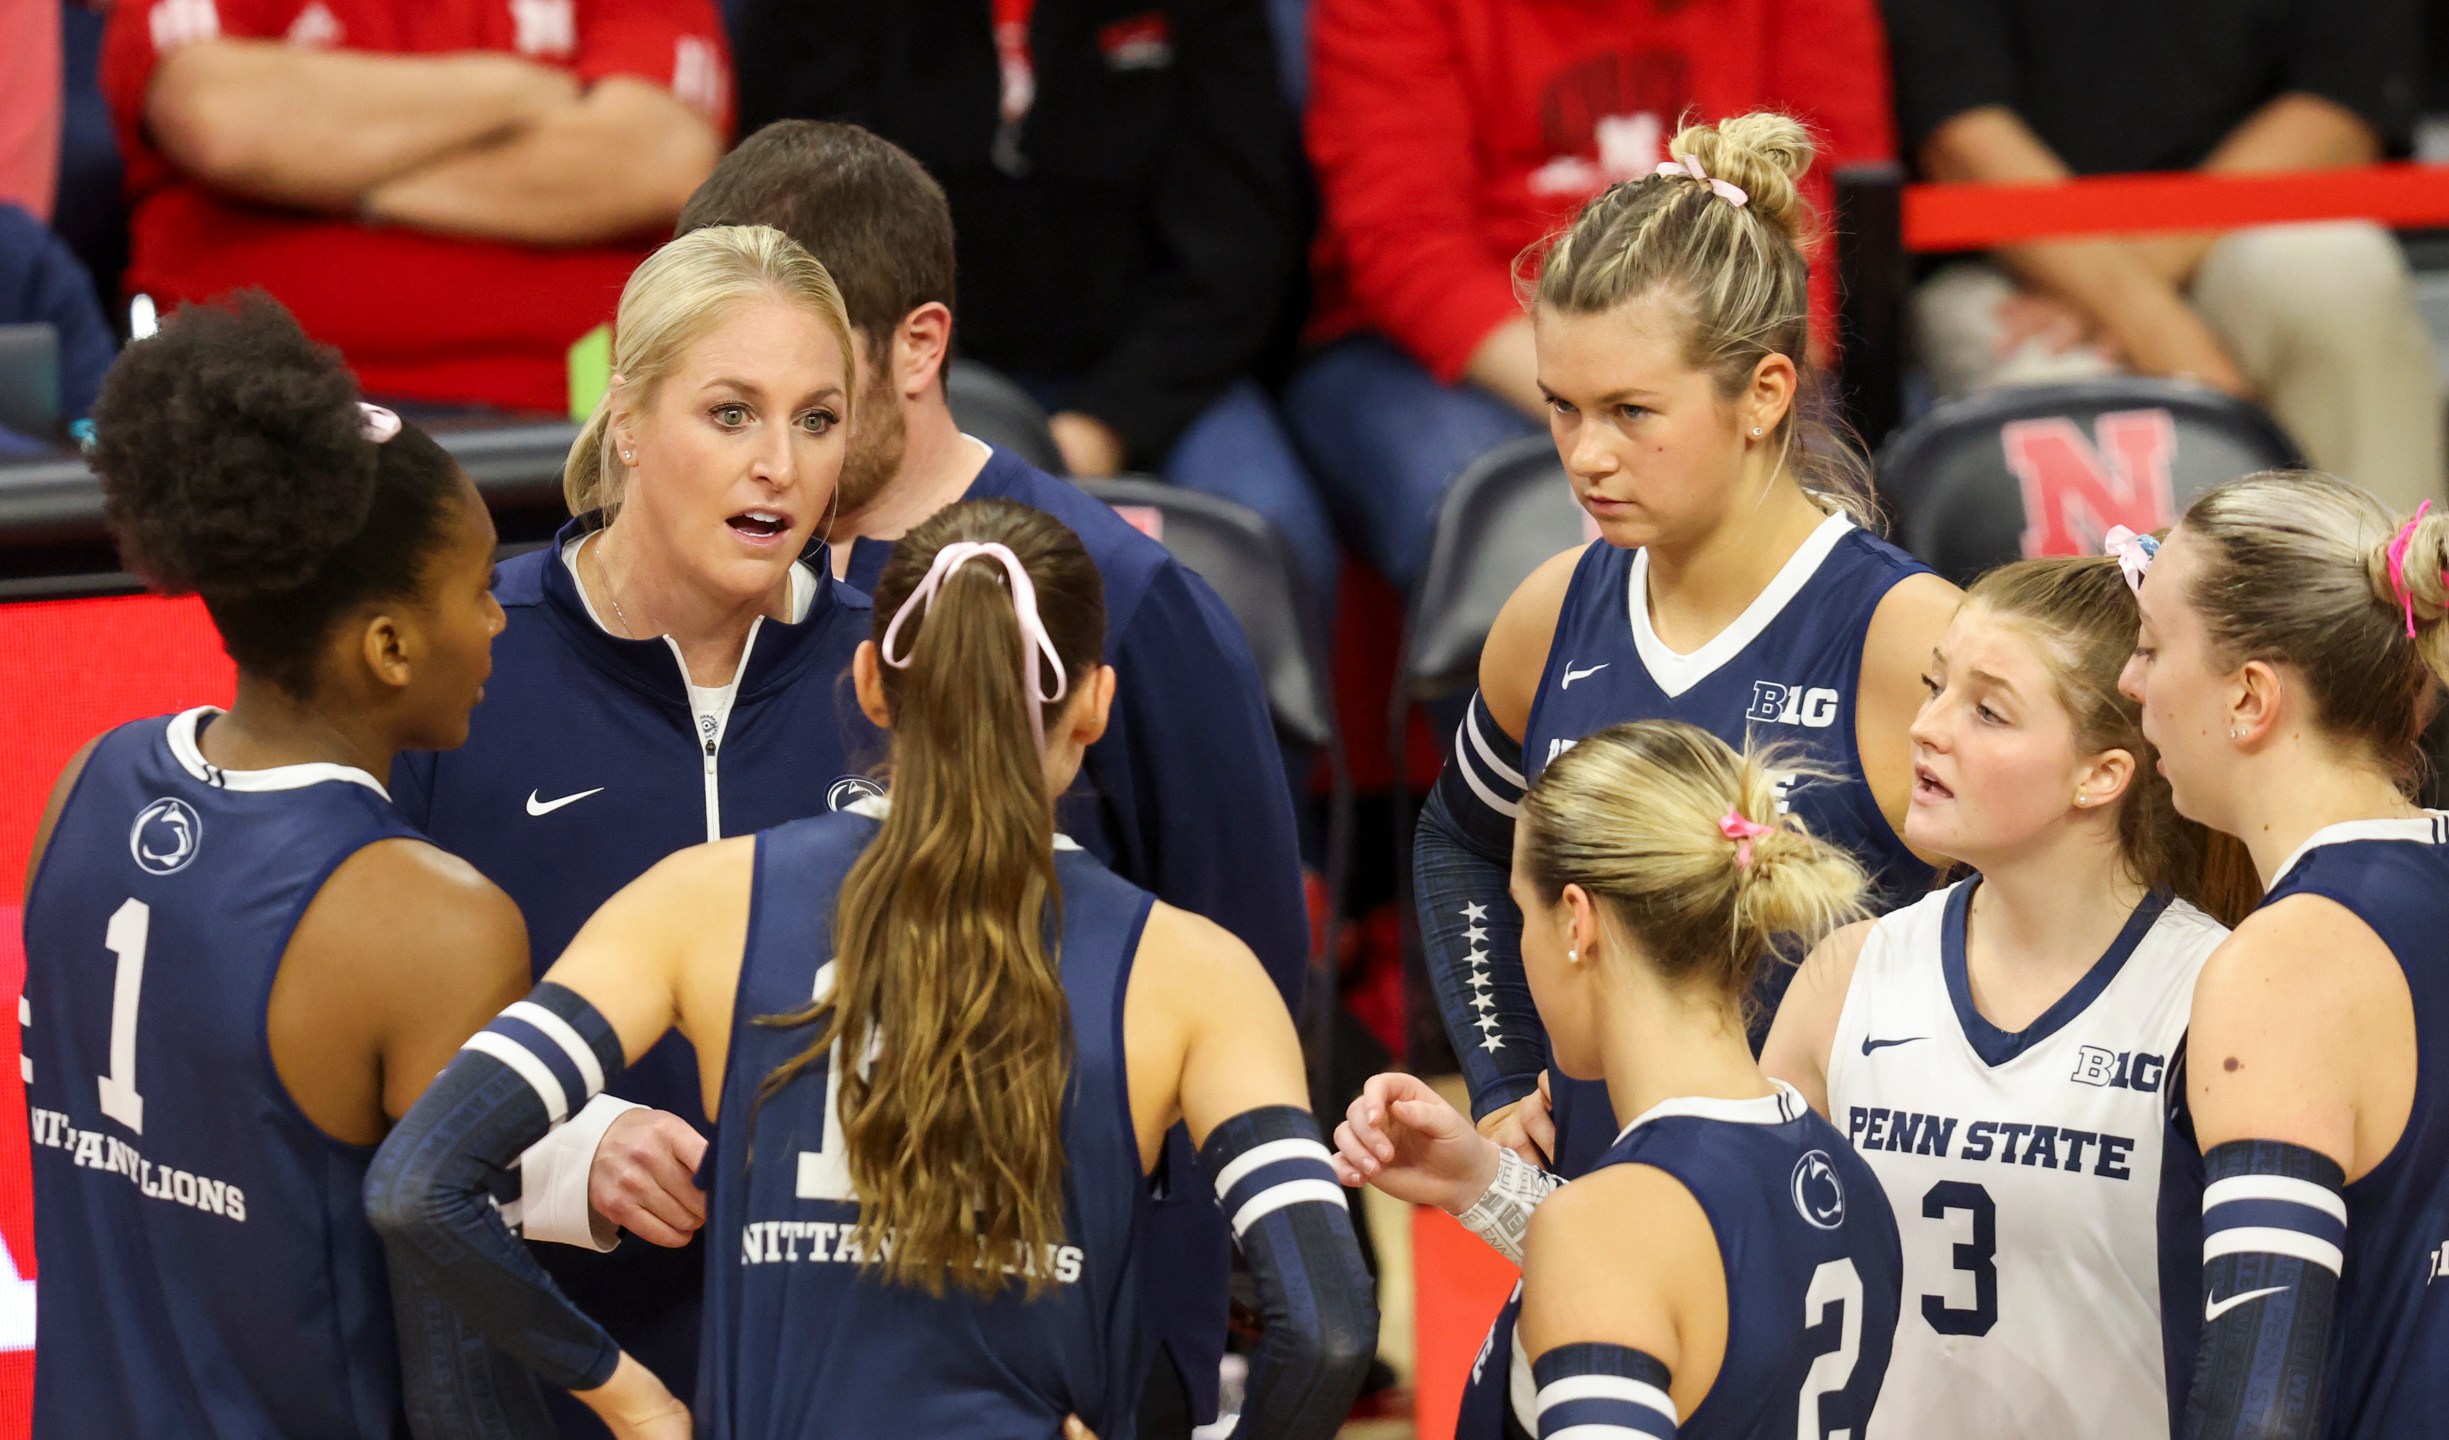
(628, 631)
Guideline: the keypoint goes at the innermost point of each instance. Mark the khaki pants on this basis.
(2321, 318)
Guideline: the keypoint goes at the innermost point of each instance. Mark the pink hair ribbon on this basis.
(2397, 566)
(1036, 644)
(1743, 832)
(1731, 194)
(2134, 554)
(376, 423)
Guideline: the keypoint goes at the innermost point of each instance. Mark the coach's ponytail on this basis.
(948, 1000)
(1681, 840)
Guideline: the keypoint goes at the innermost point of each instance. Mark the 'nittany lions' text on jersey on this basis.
(800, 1340)
(1812, 1275)
(2389, 1345)
(1786, 672)
(2027, 1172)
(206, 1264)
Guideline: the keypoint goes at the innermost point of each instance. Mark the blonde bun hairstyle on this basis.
(1639, 817)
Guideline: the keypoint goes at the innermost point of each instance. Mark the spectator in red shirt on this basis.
(1451, 135)
(451, 193)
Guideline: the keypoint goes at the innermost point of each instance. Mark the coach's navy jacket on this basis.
(584, 766)
(1185, 796)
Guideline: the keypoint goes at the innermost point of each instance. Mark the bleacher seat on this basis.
(1250, 566)
(1508, 512)
(2046, 470)
(990, 406)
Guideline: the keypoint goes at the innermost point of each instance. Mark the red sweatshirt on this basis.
(418, 316)
(1450, 135)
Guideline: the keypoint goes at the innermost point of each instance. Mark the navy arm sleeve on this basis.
(1470, 932)
(429, 1193)
(455, 1385)
(2274, 1234)
(1294, 1227)
(1204, 776)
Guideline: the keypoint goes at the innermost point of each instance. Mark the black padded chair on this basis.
(1506, 514)
(2046, 470)
(990, 406)
(1250, 566)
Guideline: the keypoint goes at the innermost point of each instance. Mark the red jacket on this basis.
(1451, 135)
(420, 317)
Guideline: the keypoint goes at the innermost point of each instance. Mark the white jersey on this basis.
(2025, 1170)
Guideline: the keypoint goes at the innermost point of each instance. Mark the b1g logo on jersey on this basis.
(2119, 1070)
(165, 836)
(1819, 1196)
(1777, 704)
(850, 790)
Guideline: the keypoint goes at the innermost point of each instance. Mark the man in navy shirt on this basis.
(1186, 794)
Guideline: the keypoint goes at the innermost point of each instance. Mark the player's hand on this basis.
(635, 1405)
(1402, 1137)
(643, 1181)
(1090, 447)
(1527, 1127)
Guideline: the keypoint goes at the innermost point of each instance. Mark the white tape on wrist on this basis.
(1502, 1214)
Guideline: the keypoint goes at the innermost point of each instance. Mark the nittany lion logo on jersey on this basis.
(1819, 1196)
(851, 789)
(165, 836)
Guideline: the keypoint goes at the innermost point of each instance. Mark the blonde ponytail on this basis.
(1681, 838)
(946, 966)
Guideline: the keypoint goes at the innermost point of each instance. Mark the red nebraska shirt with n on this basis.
(1451, 135)
(421, 317)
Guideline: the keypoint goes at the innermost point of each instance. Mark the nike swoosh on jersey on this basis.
(2213, 1308)
(547, 807)
(1572, 674)
(1869, 1044)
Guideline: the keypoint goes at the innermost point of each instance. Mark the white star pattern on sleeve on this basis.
(1479, 980)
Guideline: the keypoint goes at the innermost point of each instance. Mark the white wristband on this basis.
(1502, 1214)
(553, 1178)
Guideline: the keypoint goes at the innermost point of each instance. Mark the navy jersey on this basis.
(2389, 1346)
(206, 1265)
(800, 1340)
(1186, 797)
(584, 766)
(1814, 1273)
(1786, 671)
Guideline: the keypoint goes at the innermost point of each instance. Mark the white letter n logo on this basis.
(2073, 492)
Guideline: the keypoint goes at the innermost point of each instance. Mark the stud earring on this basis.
(2232, 732)
(1755, 432)
(2079, 798)
(1574, 955)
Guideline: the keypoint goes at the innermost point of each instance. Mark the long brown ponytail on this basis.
(946, 972)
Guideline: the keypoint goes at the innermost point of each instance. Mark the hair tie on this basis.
(1734, 826)
(2134, 554)
(1731, 194)
(1036, 645)
(376, 423)
(2397, 566)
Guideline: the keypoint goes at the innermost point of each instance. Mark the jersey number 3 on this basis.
(1836, 1283)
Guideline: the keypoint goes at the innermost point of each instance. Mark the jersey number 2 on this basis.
(131, 925)
(1835, 1283)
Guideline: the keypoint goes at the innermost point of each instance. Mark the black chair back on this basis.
(1506, 514)
(995, 409)
(2046, 470)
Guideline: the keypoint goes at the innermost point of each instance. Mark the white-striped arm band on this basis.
(2275, 1203)
(1594, 1391)
(1502, 1214)
(1489, 761)
(1264, 1160)
(540, 1038)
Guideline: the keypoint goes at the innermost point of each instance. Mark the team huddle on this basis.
(1887, 1009)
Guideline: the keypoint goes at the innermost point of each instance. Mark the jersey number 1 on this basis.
(1835, 1283)
(824, 1173)
(131, 925)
